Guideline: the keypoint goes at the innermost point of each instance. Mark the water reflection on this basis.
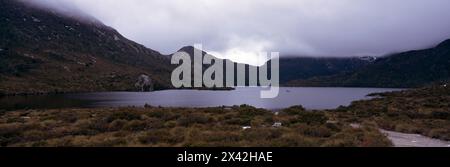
(311, 98)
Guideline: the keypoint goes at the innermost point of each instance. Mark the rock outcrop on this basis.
(144, 83)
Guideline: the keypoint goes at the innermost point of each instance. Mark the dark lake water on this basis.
(311, 98)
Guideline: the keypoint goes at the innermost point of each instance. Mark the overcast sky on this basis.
(241, 28)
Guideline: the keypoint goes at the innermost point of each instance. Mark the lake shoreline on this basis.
(311, 98)
(2, 94)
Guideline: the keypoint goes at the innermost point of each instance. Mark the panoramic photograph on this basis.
(224, 74)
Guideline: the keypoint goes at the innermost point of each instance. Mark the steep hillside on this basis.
(190, 50)
(408, 69)
(295, 68)
(307, 67)
(42, 51)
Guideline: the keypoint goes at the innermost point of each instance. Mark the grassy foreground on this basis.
(181, 127)
(423, 111)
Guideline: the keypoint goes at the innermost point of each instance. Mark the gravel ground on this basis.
(414, 140)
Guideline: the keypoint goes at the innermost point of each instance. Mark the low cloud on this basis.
(292, 27)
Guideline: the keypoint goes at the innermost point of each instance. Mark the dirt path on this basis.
(410, 140)
(413, 140)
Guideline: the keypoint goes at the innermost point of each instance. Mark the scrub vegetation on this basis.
(423, 111)
(185, 127)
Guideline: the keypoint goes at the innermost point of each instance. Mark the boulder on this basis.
(144, 83)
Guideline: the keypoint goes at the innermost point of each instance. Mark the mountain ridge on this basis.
(292, 68)
(413, 68)
(44, 51)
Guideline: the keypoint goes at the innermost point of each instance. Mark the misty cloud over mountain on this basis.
(292, 27)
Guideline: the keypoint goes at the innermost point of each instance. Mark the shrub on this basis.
(98, 141)
(407, 128)
(294, 110)
(34, 135)
(257, 122)
(135, 125)
(312, 118)
(250, 111)
(443, 134)
(117, 125)
(374, 139)
(189, 120)
(61, 142)
(275, 133)
(164, 115)
(170, 124)
(155, 136)
(317, 131)
(90, 127)
(221, 137)
(10, 129)
(69, 117)
(123, 115)
(333, 126)
(157, 114)
(440, 115)
(155, 123)
(294, 140)
(237, 121)
(256, 134)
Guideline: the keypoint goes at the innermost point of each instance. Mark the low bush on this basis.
(172, 127)
(191, 119)
(312, 118)
(135, 125)
(123, 115)
(294, 110)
